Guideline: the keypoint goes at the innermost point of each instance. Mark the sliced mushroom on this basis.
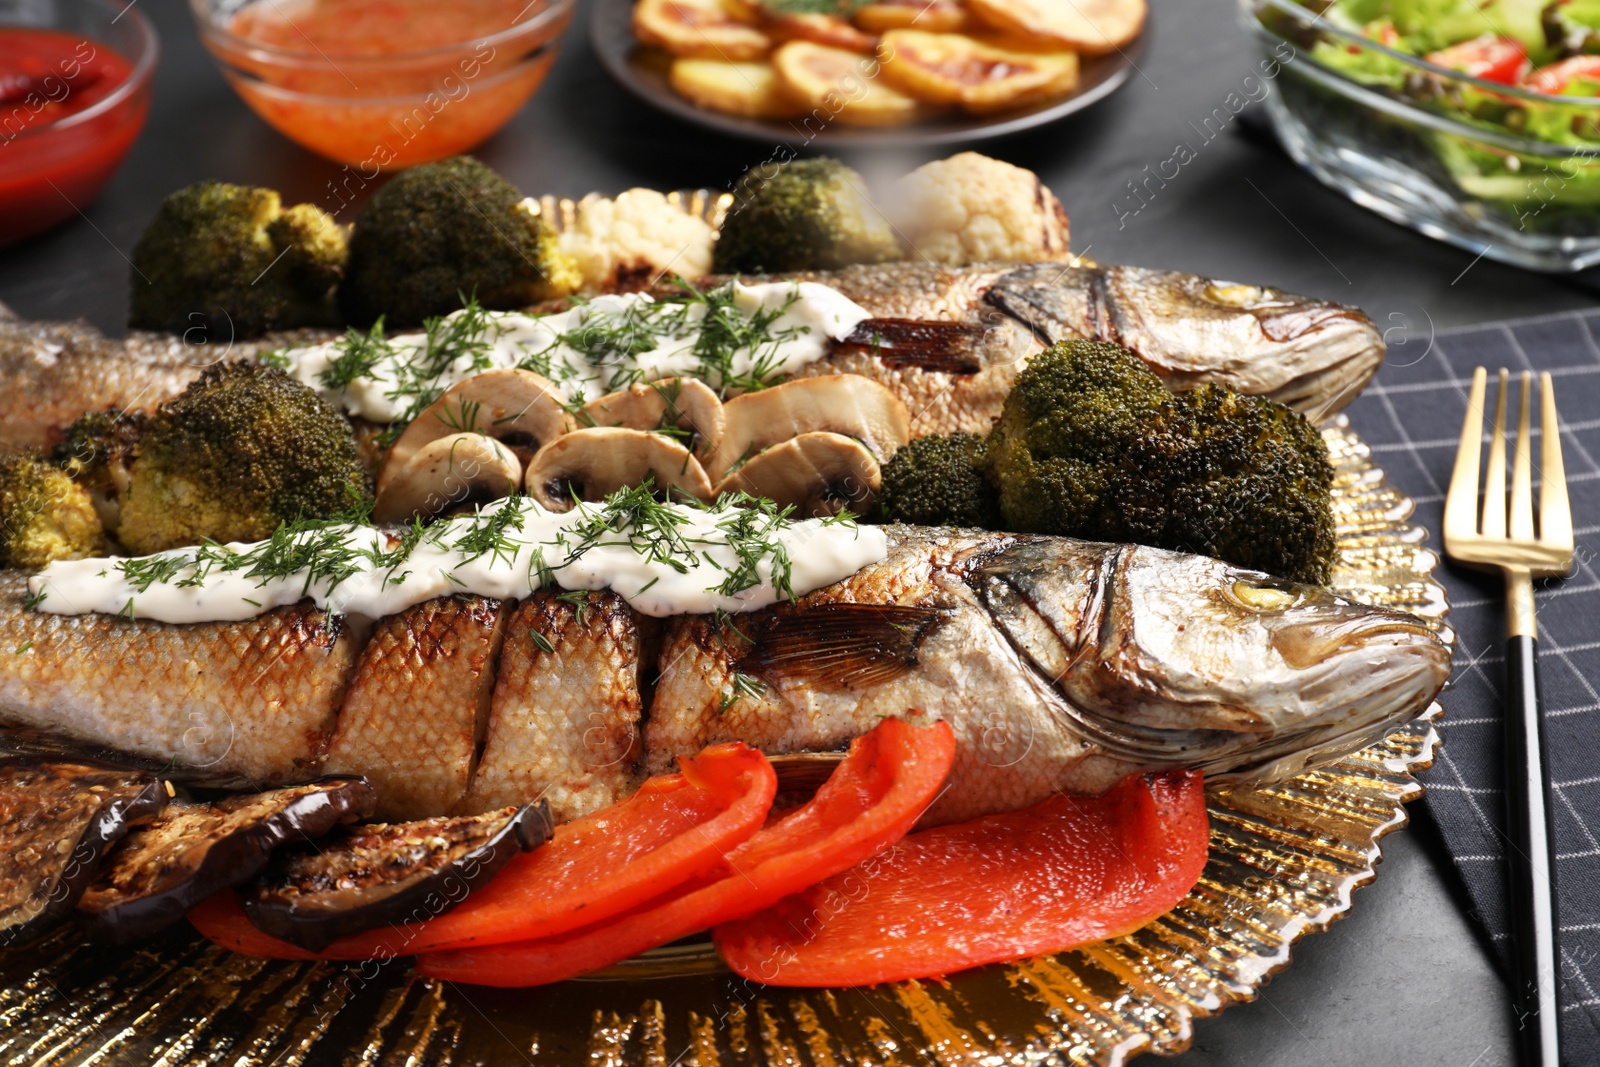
(846, 404)
(463, 468)
(518, 408)
(591, 464)
(818, 473)
(687, 404)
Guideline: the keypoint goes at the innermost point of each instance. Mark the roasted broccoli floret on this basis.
(936, 481)
(97, 453)
(231, 260)
(445, 231)
(242, 450)
(1071, 413)
(810, 214)
(1237, 477)
(1090, 444)
(44, 515)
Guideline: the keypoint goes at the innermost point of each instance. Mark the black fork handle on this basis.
(1531, 850)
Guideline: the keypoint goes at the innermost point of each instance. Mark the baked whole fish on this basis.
(1060, 664)
(1310, 354)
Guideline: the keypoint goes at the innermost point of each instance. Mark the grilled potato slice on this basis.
(950, 68)
(830, 30)
(1092, 27)
(842, 86)
(706, 29)
(735, 88)
(933, 16)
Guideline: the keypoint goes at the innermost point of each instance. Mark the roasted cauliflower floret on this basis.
(441, 233)
(632, 241)
(970, 208)
(937, 481)
(231, 259)
(809, 214)
(44, 514)
(242, 450)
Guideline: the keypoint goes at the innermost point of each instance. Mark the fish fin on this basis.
(841, 645)
(1053, 301)
(951, 347)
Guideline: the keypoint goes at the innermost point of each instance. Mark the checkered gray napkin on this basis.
(1411, 416)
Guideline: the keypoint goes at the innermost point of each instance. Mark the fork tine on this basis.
(1555, 513)
(1461, 502)
(1522, 468)
(1494, 484)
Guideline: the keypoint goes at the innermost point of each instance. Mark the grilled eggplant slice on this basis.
(381, 874)
(190, 851)
(58, 819)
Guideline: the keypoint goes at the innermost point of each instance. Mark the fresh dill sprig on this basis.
(633, 517)
(751, 525)
(358, 356)
(465, 337)
(726, 333)
(578, 600)
(742, 685)
(491, 534)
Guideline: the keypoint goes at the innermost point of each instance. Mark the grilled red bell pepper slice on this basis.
(1554, 78)
(1492, 58)
(873, 797)
(1067, 871)
(675, 827)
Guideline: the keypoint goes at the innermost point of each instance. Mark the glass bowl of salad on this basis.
(1473, 121)
(384, 84)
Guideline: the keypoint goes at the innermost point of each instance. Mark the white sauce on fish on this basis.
(674, 560)
(592, 349)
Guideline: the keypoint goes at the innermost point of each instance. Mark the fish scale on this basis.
(1059, 664)
(416, 711)
(1314, 355)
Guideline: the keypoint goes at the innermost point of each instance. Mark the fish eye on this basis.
(1262, 597)
(1231, 294)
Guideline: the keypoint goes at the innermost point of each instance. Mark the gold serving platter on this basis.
(1284, 862)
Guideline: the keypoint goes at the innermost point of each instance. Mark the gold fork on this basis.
(1521, 554)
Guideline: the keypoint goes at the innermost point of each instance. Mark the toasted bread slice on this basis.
(953, 69)
(704, 29)
(1092, 27)
(842, 86)
(934, 16)
(734, 88)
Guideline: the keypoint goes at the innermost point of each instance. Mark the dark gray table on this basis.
(1404, 979)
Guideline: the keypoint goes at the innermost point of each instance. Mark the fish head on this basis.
(1172, 659)
(1313, 355)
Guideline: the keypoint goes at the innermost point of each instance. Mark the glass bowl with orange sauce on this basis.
(384, 84)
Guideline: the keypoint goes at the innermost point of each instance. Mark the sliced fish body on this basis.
(258, 700)
(1311, 354)
(55, 371)
(414, 717)
(1060, 664)
(564, 722)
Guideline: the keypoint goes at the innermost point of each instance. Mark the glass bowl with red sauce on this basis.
(74, 93)
(384, 84)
